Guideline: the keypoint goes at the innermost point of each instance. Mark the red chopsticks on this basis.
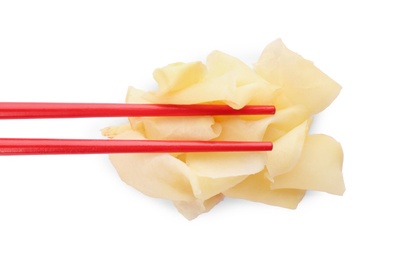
(22, 110)
(31, 146)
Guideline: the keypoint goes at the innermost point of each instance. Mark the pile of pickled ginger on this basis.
(196, 182)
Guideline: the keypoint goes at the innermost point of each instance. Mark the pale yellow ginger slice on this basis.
(287, 150)
(219, 64)
(301, 81)
(156, 175)
(255, 93)
(113, 131)
(136, 96)
(226, 164)
(237, 129)
(179, 128)
(192, 209)
(284, 121)
(319, 167)
(216, 89)
(257, 188)
(178, 76)
(251, 88)
(206, 187)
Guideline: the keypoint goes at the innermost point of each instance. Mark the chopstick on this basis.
(27, 110)
(37, 146)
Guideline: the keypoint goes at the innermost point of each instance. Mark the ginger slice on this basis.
(319, 167)
(300, 81)
(257, 188)
(179, 76)
(287, 150)
(192, 209)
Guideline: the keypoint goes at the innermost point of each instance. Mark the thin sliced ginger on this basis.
(196, 182)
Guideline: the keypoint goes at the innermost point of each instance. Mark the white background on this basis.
(76, 207)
